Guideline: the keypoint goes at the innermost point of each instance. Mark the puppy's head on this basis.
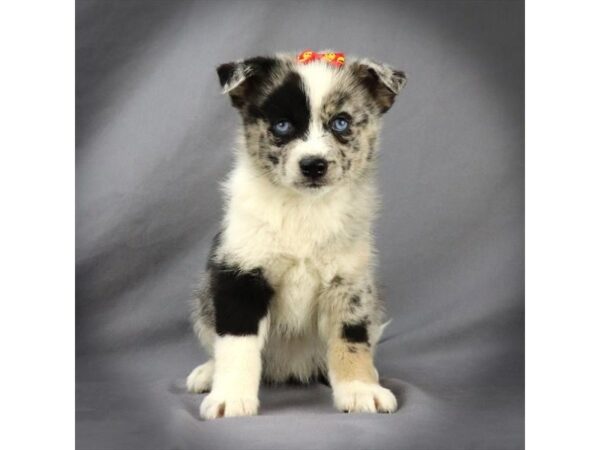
(310, 127)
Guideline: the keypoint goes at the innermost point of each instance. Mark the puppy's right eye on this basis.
(282, 128)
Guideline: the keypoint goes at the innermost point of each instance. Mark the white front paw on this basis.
(358, 396)
(217, 405)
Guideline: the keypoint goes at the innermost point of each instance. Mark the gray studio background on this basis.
(153, 140)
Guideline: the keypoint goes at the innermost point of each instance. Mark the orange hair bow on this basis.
(333, 58)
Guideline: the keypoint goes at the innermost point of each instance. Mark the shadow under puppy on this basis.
(289, 290)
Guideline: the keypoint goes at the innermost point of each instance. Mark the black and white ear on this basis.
(382, 82)
(241, 79)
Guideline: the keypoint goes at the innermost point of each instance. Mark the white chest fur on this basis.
(294, 308)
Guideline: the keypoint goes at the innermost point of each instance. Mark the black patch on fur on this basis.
(336, 280)
(274, 159)
(355, 300)
(259, 69)
(295, 381)
(288, 101)
(355, 333)
(323, 379)
(352, 349)
(241, 299)
(383, 96)
(225, 72)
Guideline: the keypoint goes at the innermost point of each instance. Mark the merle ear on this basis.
(242, 79)
(382, 82)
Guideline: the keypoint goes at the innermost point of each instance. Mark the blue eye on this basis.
(339, 124)
(283, 128)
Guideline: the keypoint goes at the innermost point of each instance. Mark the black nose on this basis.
(313, 167)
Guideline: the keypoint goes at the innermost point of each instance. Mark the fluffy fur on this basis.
(289, 291)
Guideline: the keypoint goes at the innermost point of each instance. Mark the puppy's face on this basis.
(310, 127)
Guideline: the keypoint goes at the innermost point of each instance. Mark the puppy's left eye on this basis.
(339, 124)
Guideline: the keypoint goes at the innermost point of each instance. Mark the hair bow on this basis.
(333, 58)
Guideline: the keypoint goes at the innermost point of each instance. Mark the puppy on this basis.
(289, 291)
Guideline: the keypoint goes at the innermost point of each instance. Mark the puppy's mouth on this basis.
(312, 184)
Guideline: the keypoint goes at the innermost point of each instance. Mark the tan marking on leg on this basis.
(349, 362)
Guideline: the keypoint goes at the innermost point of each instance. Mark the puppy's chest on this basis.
(295, 307)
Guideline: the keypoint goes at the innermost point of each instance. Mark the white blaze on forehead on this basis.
(318, 79)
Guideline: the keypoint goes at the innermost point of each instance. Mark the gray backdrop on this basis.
(153, 140)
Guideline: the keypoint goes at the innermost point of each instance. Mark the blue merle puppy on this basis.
(289, 291)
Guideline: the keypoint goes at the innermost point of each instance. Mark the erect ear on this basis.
(382, 82)
(241, 79)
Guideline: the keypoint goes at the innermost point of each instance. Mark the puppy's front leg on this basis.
(241, 300)
(353, 376)
(236, 378)
(353, 329)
